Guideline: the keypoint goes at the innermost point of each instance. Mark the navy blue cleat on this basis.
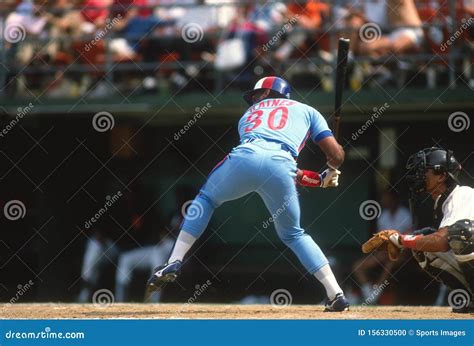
(338, 304)
(162, 275)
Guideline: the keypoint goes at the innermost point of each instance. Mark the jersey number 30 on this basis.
(255, 119)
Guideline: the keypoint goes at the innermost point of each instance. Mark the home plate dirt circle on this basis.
(217, 311)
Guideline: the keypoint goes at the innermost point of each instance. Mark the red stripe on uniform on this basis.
(268, 83)
(218, 165)
(304, 142)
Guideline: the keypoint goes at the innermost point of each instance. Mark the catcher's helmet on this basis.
(440, 160)
(278, 86)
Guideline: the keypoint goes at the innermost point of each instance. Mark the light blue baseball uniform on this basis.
(272, 133)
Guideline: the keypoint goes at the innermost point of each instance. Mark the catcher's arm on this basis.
(435, 242)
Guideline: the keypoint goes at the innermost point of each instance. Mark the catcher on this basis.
(446, 253)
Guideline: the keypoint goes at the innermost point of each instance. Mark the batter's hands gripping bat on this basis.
(342, 51)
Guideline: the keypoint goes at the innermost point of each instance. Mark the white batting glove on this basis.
(330, 178)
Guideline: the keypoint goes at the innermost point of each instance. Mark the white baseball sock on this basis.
(327, 278)
(182, 246)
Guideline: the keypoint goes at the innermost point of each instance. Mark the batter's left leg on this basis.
(231, 179)
(281, 198)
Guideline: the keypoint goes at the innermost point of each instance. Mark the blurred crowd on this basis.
(97, 48)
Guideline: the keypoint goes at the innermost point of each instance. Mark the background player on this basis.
(375, 269)
(446, 253)
(272, 133)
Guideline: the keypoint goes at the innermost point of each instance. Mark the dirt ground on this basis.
(217, 311)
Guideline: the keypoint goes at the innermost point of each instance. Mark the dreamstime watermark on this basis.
(103, 298)
(192, 210)
(22, 289)
(47, 333)
(370, 32)
(199, 112)
(192, 33)
(457, 34)
(14, 33)
(21, 112)
(279, 34)
(459, 121)
(279, 211)
(459, 298)
(103, 121)
(377, 112)
(281, 298)
(199, 290)
(103, 32)
(109, 202)
(370, 210)
(14, 210)
(374, 295)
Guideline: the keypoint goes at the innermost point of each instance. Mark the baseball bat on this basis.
(341, 67)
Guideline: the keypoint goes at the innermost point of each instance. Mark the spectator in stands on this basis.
(393, 216)
(96, 11)
(269, 16)
(253, 25)
(308, 16)
(131, 8)
(397, 17)
(27, 21)
(66, 27)
(222, 14)
(469, 7)
(5, 8)
(243, 39)
(132, 23)
(66, 17)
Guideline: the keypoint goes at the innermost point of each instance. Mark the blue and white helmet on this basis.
(279, 87)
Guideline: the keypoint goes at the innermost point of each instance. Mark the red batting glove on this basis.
(308, 178)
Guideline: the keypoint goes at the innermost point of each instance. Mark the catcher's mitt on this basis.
(381, 241)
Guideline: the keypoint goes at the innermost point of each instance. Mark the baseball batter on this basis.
(272, 132)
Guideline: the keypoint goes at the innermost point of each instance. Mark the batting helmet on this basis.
(279, 88)
(440, 160)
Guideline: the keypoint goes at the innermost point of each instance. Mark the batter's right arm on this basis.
(329, 178)
(333, 151)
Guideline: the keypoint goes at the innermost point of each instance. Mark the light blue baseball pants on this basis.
(263, 167)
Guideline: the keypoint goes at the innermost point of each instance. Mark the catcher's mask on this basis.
(279, 88)
(440, 160)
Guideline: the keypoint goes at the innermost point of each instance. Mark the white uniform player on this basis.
(446, 253)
